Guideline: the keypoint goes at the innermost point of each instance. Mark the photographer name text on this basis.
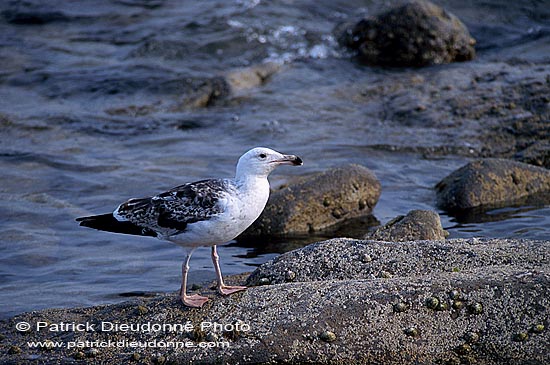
(105, 326)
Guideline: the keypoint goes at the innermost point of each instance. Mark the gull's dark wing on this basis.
(168, 213)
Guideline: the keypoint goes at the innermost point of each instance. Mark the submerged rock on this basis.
(537, 154)
(472, 110)
(202, 93)
(248, 77)
(416, 225)
(319, 202)
(418, 33)
(350, 321)
(491, 181)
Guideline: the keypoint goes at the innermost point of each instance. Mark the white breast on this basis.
(241, 209)
(250, 202)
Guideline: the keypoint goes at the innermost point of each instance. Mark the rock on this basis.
(248, 77)
(416, 225)
(489, 182)
(537, 154)
(344, 258)
(319, 202)
(349, 321)
(165, 89)
(417, 33)
(472, 110)
(202, 93)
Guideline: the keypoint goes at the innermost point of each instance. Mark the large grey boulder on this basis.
(416, 225)
(489, 182)
(319, 202)
(417, 33)
(493, 312)
(344, 258)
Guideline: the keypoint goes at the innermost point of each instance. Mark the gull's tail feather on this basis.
(107, 222)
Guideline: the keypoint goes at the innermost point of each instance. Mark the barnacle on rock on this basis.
(520, 337)
(442, 306)
(432, 302)
(290, 275)
(400, 307)
(471, 337)
(475, 308)
(463, 349)
(264, 281)
(411, 331)
(327, 336)
(454, 294)
(458, 304)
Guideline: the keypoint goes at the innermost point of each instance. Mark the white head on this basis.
(260, 161)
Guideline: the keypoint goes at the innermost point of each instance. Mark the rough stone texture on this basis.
(471, 109)
(537, 154)
(318, 202)
(491, 181)
(342, 259)
(417, 33)
(416, 225)
(488, 314)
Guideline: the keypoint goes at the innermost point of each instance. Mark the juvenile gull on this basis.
(202, 213)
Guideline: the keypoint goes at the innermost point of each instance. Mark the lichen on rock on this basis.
(487, 182)
(319, 202)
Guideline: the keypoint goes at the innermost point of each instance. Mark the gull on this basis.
(202, 213)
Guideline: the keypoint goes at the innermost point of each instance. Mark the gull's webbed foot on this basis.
(193, 301)
(226, 289)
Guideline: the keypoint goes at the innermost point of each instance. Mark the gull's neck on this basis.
(252, 184)
(250, 180)
(252, 195)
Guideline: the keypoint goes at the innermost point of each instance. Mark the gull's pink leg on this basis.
(222, 288)
(195, 300)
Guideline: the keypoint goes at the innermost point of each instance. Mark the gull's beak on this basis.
(289, 160)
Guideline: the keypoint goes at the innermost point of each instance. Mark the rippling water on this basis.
(87, 95)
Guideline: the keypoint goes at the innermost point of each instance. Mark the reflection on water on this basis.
(484, 215)
(521, 218)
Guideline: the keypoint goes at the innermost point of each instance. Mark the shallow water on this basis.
(67, 149)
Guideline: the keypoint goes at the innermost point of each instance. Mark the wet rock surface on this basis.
(254, 76)
(491, 314)
(537, 154)
(489, 182)
(418, 33)
(483, 110)
(319, 202)
(202, 93)
(416, 225)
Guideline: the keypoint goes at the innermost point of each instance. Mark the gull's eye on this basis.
(262, 156)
